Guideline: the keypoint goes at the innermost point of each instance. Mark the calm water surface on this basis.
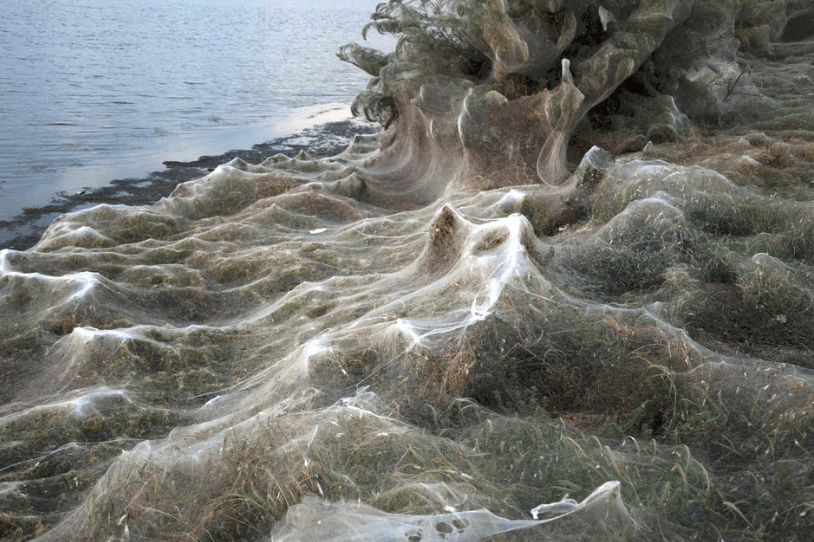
(94, 90)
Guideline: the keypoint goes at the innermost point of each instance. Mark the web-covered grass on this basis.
(421, 342)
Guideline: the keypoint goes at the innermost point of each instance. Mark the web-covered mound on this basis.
(262, 348)
(417, 339)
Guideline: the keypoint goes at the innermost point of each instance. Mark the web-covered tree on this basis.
(486, 93)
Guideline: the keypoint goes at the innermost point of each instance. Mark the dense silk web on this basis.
(471, 325)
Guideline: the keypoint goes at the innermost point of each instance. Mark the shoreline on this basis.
(24, 230)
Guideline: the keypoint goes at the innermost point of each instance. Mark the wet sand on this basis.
(24, 230)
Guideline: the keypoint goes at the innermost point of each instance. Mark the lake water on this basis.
(94, 90)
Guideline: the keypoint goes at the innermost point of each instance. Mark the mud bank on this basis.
(23, 231)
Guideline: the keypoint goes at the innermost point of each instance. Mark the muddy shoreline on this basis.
(25, 230)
